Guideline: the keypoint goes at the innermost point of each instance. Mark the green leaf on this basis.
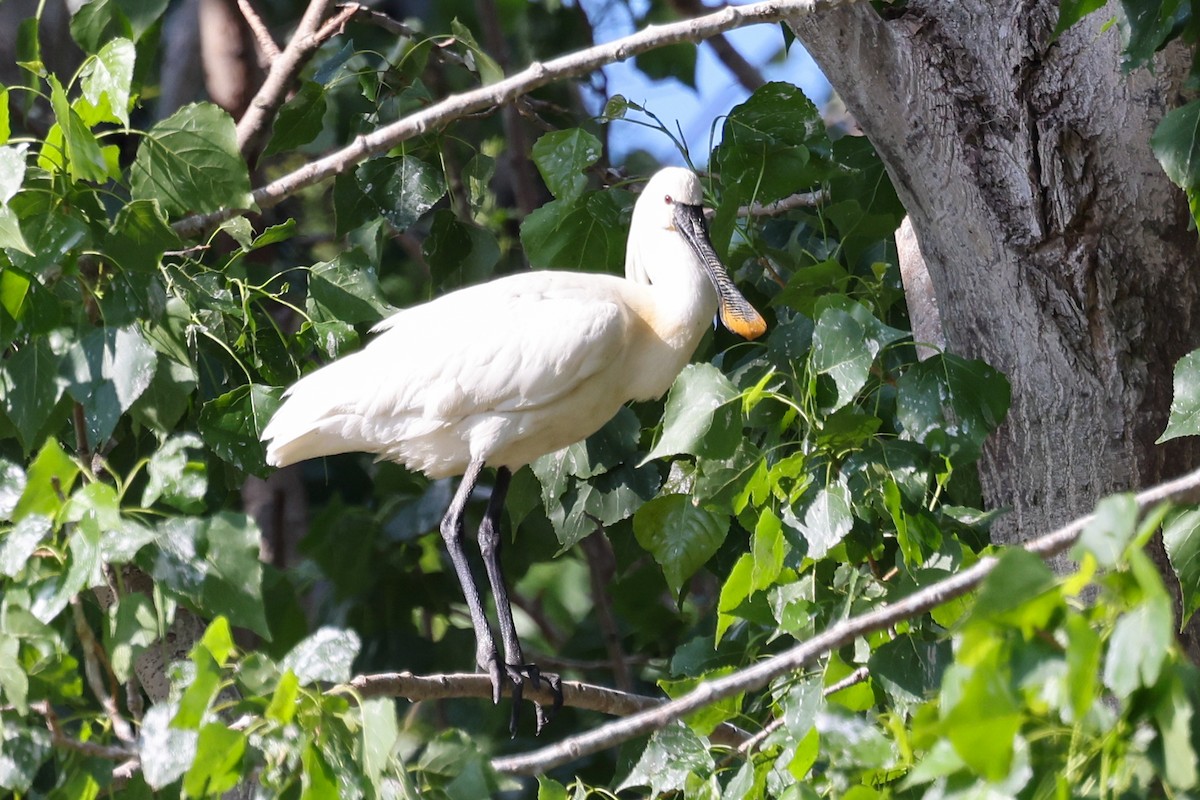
(19, 542)
(1109, 531)
(346, 289)
(980, 717)
(680, 536)
(476, 58)
(217, 766)
(106, 372)
(12, 484)
(139, 236)
(562, 157)
(827, 519)
(457, 252)
(12, 170)
(676, 61)
(166, 752)
(133, 626)
(326, 655)
(700, 417)
(189, 162)
(1181, 537)
(213, 563)
(1083, 664)
(11, 237)
(5, 125)
(70, 146)
(1019, 577)
(672, 754)
(1185, 406)
(768, 549)
(30, 387)
(50, 478)
(1071, 11)
(585, 233)
(840, 350)
(318, 781)
(736, 590)
(24, 749)
(1140, 643)
(402, 188)
(283, 700)
(300, 120)
(772, 146)
(1148, 25)
(949, 403)
(174, 478)
(13, 680)
(109, 77)
(232, 424)
(201, 691)
(1173, 718)
(379, 734)
(909, 667)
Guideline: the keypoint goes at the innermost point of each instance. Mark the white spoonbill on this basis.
(507, 371)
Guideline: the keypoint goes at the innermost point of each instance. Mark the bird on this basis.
(503, 372)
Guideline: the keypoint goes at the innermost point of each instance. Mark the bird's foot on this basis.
(518, 675)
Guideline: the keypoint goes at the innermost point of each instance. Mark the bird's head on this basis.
(673, 201)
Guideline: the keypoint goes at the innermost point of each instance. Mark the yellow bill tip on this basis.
(743, 320)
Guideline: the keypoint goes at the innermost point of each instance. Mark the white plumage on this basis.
(506, 371)
(510, 370)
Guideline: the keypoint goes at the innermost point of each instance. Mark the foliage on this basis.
(781, 486)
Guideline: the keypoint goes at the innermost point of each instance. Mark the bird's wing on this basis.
(516, 343)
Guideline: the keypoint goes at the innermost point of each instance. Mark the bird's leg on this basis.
(515, 666)
(452, 533)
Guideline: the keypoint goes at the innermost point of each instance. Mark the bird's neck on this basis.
(685, 302)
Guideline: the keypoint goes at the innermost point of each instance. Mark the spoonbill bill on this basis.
(503, 372)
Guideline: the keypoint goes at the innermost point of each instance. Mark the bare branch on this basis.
(858, 676)
(252, 128)
(91, 669)
(745, 72)
(586, 696)
(532, 77)
(60, 739)
(801, 200)
(1185, 489)
(266, 44)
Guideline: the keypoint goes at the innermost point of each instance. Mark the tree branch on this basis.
(59, 738)
(586, 696)
(266, 45)
(1185, 489)
(532, 77)
(253, 126)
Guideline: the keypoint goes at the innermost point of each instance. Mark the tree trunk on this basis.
(1058, 250)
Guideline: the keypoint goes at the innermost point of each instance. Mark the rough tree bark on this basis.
(1058, 250)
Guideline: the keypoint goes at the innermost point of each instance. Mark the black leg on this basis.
(515, 666)
(452, 533)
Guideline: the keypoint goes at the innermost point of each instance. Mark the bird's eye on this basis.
(668, 199)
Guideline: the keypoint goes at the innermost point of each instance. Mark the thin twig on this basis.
(745, 72)
(784, 205)
(254, 125)
(534, 76)
(91, 669)
(602, 565)
(854, 678)
(1185, 489)
(60, 739)
(262, 35)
